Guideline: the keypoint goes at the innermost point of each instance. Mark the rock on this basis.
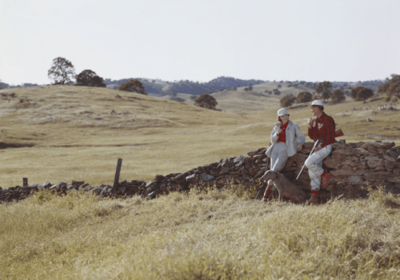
(341, 173)
(373, 163)
(332, 163)
(206, 177)
(192, 178)
(159, 178)
(377, 145)
(354, 180)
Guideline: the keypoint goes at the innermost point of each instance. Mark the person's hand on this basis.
(317, 149)
(279, 131)
(299, 147)
(311, 122)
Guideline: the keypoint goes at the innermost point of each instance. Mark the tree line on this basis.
(62, 72)
(324, 92)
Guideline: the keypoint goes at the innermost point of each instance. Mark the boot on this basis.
(325, 178)
(314, 197)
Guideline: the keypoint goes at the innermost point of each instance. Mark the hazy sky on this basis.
(199, 40)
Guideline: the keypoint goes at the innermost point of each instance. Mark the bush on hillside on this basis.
(89, 78)
(338, 96)
(206, 101)
(361, 93)
(287, 101)
(133, 86)
(304, 96)
(324, 89)
(391, 87)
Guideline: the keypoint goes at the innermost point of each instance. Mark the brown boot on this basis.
(325, 178)
(314, 198)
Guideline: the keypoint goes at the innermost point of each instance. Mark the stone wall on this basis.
(354, 166)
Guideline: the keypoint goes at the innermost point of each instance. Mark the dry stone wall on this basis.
(354, 166)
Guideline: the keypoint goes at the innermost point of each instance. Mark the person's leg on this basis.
(315, 170)
(280, 157)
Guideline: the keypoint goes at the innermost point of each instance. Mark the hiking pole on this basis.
(315, 145)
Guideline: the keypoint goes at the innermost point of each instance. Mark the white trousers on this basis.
(314, 165)
(279, 156)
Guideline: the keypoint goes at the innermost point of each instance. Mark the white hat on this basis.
(317, 103)
(282, 112)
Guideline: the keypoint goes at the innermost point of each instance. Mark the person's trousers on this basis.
(314, 165)
(279, 157)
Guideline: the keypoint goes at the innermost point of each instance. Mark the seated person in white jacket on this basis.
(286, 139)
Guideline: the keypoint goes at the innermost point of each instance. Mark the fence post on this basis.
(117, 172)
(24, 182)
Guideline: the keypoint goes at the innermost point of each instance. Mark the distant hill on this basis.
(159, 87)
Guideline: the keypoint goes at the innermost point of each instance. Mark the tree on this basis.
(277, 91)
(304, 96)
(338, 96)
(287, 101)
(361, 93)
(61, 72)
(89, 78)
(206, 101)
(391, 87)
(133, 86)
(324, 89)
(316, 97)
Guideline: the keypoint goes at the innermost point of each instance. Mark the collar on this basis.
(289, 123)
(322, 117)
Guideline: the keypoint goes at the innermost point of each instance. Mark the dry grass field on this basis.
(69, 133)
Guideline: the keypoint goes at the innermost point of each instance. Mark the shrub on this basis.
(287, 101)
(206, 101)
(338, 96)
(304, 96)
(89, 78)
(133, 86)
(361, 93)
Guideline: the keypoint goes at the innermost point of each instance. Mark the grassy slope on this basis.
(174, 237)
(83, 139)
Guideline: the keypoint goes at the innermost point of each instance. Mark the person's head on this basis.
(317, 107)
(283, 115)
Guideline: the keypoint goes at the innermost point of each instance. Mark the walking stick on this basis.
(315, 145)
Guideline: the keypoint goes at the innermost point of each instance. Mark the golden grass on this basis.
(219, 235)
(83, 139)
(214, 235)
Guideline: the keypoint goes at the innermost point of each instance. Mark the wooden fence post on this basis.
(117, 172)
(24, 182)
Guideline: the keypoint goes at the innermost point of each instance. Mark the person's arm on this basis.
(275, 135)
(328, 133)
(312, 129)
(300, 138)
(299, 135)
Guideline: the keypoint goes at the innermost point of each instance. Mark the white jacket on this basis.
(294, 136)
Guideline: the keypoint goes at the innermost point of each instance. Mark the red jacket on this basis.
(323, 129)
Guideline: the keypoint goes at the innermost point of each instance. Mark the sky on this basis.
(199, 40)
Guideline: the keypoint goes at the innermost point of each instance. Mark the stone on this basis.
(389, 158)
(341, 173)
(332, 163)
(206, 177)
(377, 145)
(354, 180)
(375, 163)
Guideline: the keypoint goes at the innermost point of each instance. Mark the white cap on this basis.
(318, 103)
(282, 112)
